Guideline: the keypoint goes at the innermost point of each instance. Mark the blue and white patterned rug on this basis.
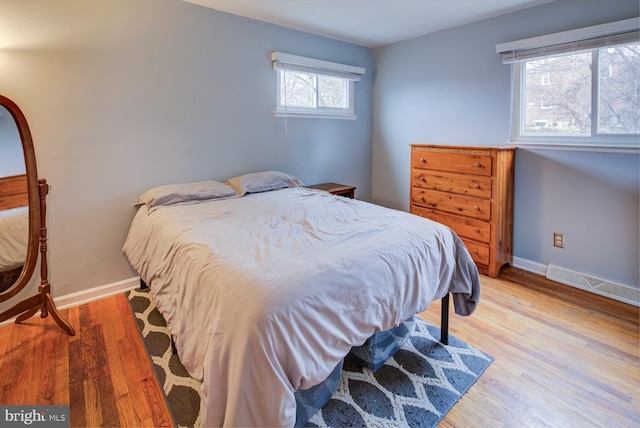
(414, 388)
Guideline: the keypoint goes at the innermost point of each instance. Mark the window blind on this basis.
(583, 39)
(283, 61)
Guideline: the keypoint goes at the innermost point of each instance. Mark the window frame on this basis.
(595, 140)
(589, 39)
(283, 110)
(284, 63)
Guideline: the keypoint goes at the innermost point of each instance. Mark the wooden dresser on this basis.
(469, 189)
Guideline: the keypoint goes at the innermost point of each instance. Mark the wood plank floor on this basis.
(103, 372)
(564, 358)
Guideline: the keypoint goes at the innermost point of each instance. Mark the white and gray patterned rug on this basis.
(415, 388)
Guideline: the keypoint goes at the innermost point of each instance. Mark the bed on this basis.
(267, 286)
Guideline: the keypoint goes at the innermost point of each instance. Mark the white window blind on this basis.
(284, 61)
(583, 39)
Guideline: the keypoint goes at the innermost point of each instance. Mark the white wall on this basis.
(123, 95)
(451, 88)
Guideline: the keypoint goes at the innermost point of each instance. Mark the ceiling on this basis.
(370, 23)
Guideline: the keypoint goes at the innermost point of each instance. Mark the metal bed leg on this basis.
(444, 321)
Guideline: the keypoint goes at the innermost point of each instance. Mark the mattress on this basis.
(265, 294)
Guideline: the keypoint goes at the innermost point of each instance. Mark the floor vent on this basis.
(620, 292)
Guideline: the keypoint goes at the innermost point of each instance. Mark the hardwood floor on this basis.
(103, 372)
(563, 357)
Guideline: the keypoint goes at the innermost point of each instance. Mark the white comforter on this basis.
(266, 293)
(14, 237)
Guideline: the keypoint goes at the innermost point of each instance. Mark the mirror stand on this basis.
(43, 300)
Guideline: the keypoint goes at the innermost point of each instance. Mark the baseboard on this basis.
(86, 296)
(530, 266)
(601, 286)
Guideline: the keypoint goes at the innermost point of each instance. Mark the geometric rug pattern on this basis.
(416, 387)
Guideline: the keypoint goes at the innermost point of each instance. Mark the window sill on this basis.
(290, 114)
(577, 147)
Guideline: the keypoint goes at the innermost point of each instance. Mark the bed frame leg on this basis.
(143, 285)
(444, 321)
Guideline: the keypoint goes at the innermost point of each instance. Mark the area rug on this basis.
(415, 388)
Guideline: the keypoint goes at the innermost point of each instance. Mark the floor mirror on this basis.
(23, 231)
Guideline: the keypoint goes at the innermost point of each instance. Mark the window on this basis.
(308, 87)
(577, 88)
(565, 105)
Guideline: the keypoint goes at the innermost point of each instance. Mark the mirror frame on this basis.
(33, 197)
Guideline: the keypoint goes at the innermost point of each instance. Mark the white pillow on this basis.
(171, 194)
(262, 182)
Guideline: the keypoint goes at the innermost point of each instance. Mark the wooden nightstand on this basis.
(336, 189)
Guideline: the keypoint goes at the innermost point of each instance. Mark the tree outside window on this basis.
(559, 92)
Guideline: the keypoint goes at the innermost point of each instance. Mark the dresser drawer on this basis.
(457, 183)
(452, 203)
(463, 226)
(479, 252)
(466, 163)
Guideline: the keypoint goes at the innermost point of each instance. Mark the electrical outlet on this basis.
(558, 240)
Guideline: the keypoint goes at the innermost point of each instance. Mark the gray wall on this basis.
(124, 95)
(451, 88)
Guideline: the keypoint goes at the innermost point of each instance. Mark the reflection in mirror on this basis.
(14, 201)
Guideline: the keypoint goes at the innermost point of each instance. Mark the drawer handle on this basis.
(477, 208)
(477, 186)
(477, 164)
(423, 160)
(474, 251)
(476, 230)
(421, 198)
(421, 178)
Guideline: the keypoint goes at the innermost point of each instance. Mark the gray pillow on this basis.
(171, 194)
(262, 182)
